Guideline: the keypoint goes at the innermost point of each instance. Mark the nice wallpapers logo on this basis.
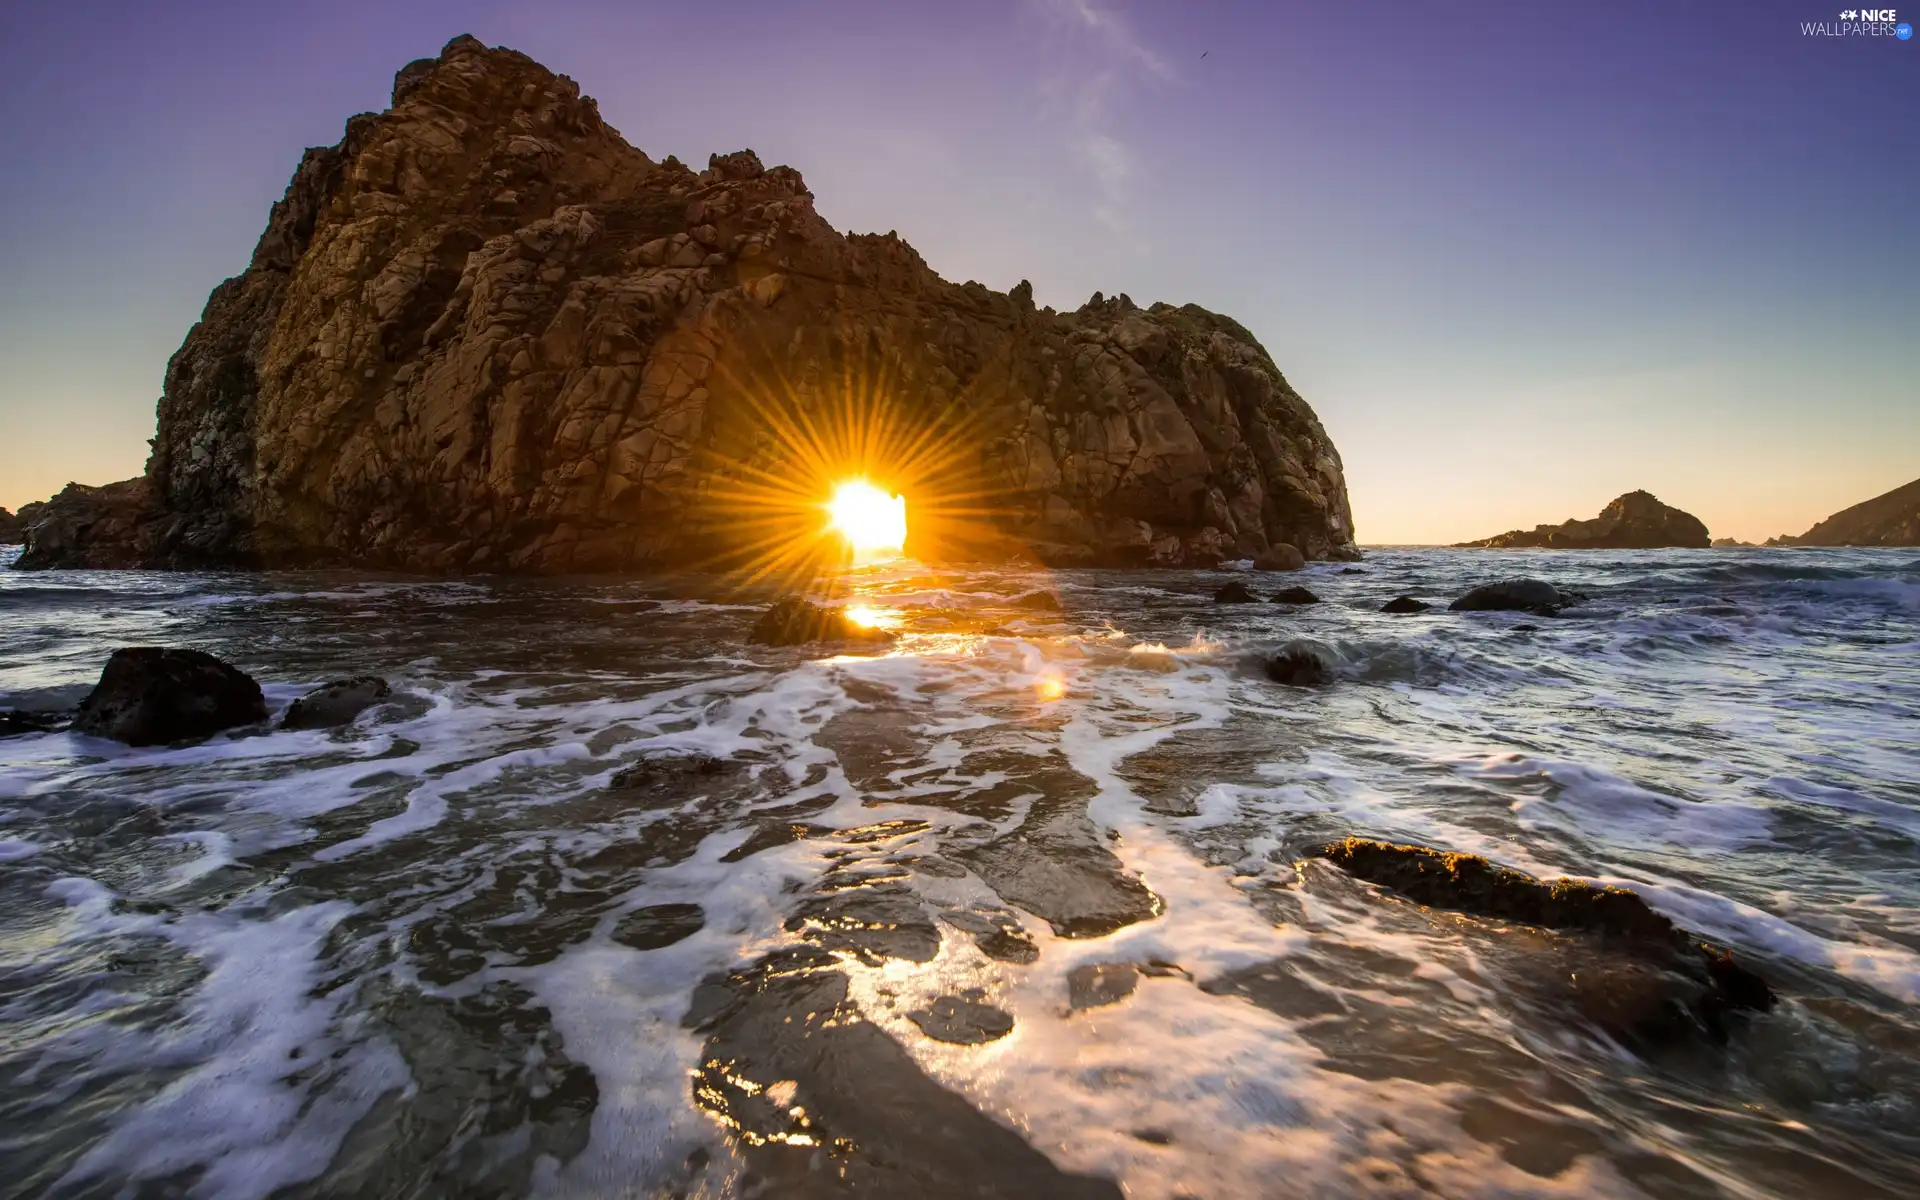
(1860, 22)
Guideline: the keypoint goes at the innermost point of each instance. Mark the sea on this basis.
(605, 900)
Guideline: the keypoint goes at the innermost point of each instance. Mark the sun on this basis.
(873, 522)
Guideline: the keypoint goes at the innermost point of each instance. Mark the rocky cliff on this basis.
(485, 333)
(1892, 519)
(12, 532)
(1635, 521)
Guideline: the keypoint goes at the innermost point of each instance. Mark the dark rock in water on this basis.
(1351, 571)
(660, 307)
(12, 532)
(1635, 521)
(1404, 604)
(1515, 595)
(1295, 595)
(336, 703)
(664, 768)
(17, 721)
(962, 1022)
(1038, 602)
(1889, 519)
(794, 621)
(150, 696)
(1235, 593)
(1301, 665)
(1058, 867)
(1525, 629)
(1096, 985)
(1281, 557)
(1470, 883)
(791, 1063)
(1665, 984)
(875, 924)
(998, 934)
(659, 925)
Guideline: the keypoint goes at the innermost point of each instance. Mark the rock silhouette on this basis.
(1891, 519)
(1635, 521)
(485, 333)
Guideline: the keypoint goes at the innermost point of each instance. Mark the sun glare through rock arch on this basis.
(873, 522)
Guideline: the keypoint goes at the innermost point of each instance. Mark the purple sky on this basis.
(1519, 257)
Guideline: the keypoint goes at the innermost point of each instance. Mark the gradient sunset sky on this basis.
(1519, 257)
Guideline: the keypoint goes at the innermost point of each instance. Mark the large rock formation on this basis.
(1635, 521)
(12, 533)
(1892, 519)
(485, 333)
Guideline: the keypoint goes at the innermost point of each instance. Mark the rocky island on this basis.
(484, 333)
(1635, 521)
(1891, 519)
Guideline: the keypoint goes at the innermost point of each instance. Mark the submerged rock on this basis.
(794, 621)
(1038, 602)
(659, 925)
(1515, 595)
(1096, 985)
(17, 721)
(1405, 604)
(1235, 593)
(791, 1066)
(485, 333)
(962, 1022)
(1295, 595)
(1659, 983)
(662, 768)
(1301, 664)
(150, 696)
(336, 703)
(1635, 521)
(1281, 557)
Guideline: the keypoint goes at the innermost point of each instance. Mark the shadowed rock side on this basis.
(485, 333)
(1635, 521)
(1892, 519)
(12, 533)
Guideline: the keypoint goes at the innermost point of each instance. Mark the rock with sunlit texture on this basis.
(485, 333)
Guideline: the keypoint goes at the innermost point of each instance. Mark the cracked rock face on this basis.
(485, 333)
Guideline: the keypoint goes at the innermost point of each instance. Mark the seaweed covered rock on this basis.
(150, 696)
(1655, 985)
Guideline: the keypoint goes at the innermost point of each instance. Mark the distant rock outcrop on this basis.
(12, 533)
(1635, 521)
(485, 333)
(1892, 519)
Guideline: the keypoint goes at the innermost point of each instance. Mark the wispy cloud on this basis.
(1101, 58)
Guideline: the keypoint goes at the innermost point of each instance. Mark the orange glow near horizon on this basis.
(873, 522)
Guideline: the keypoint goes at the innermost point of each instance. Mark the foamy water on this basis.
(446, 951)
